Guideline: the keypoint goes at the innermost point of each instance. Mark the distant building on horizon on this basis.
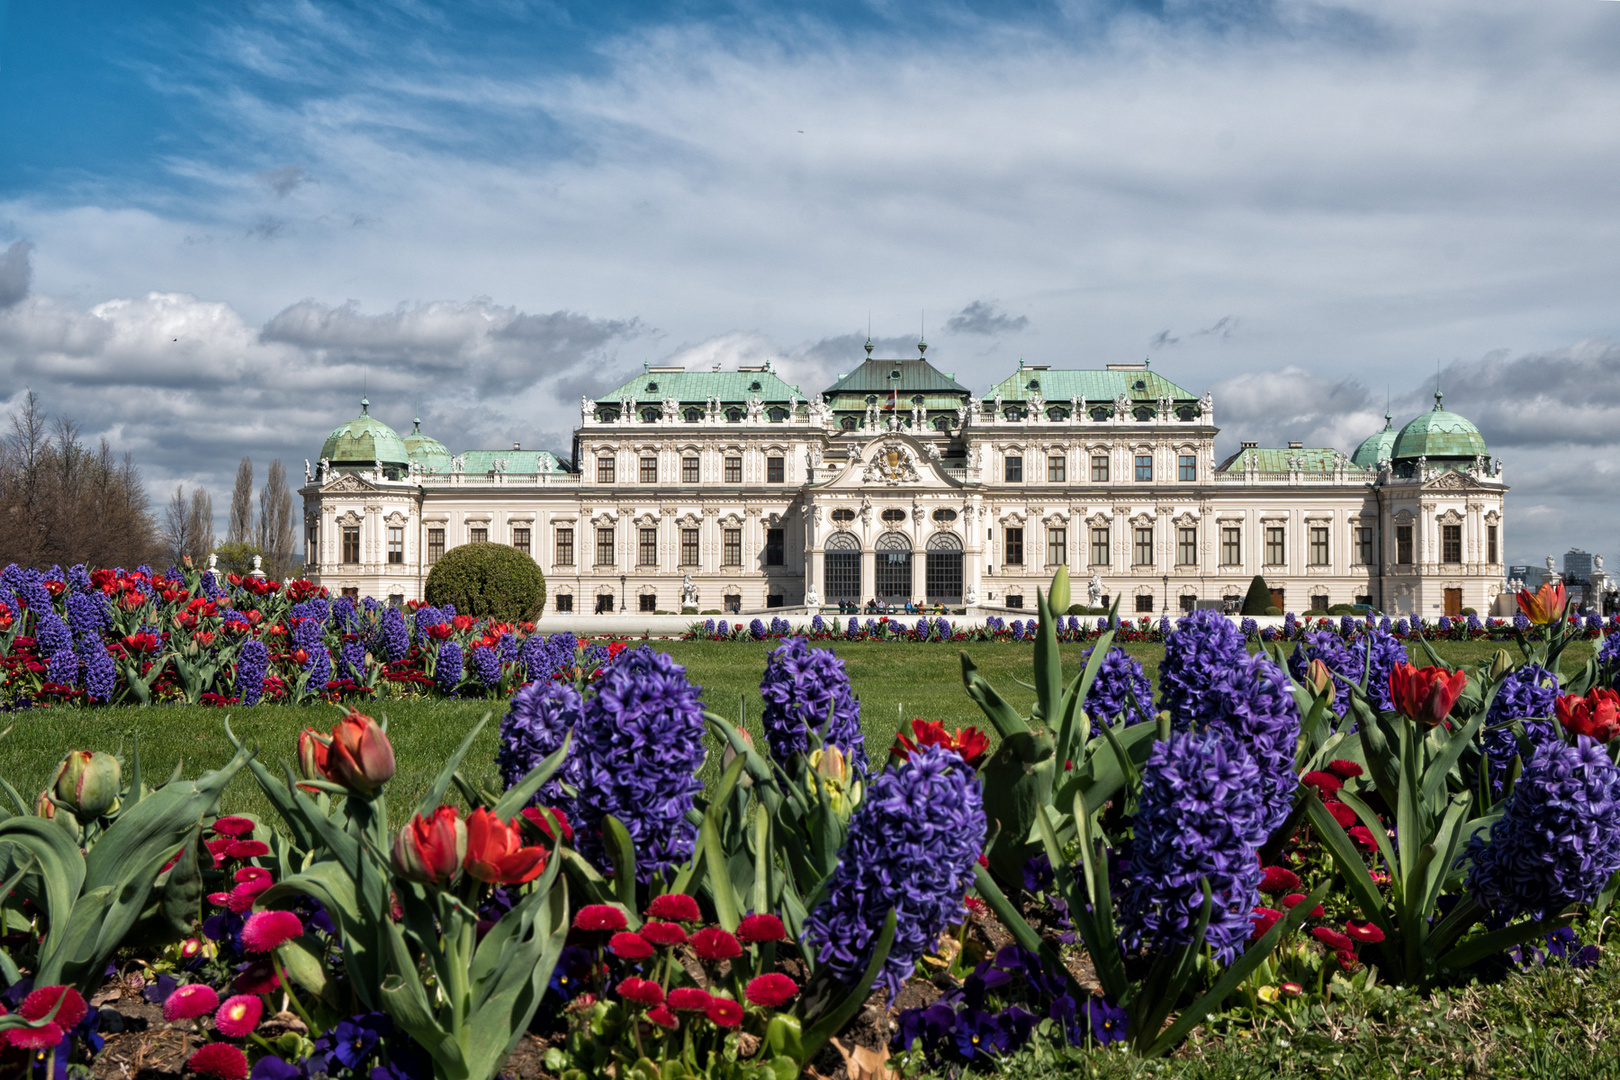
(1577, 565)
(733, 491)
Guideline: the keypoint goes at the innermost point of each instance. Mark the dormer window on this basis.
(1101, 412)
(652, 388)
(1141, 384)
(1034, 384)
(734, 415)
(754, 385)
(650, 416)
(849, 423)
(777, 415)
(917, 399)
(1143, 413)
(694, 415)
(871, 399)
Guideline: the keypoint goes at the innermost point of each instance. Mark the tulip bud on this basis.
(430, 850)
(1501, 664)
(312, 753)
(1058, 598)
(729, 755)
(88, 783)
(1320, 679)
(360, 756)
(842, 784)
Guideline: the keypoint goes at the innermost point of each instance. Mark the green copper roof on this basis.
(425, 450)
(907, 377)
(1095, 386)
(1439, 434)
(696, 387)
(1274, 460)
(364, 439)
(518, 462)
(1379, 446)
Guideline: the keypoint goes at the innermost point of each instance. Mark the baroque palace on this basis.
(734, 491)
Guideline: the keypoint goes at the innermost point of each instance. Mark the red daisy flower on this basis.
(599, 917)
(643, 992)
(771, 989)
(760, 928)
(689, 999)
(724, 1013)
(663, 933)
(233, 826)
(713, 945)
(1278, 879)
(189, 1002)
(1324, 782)
(267, 930)
(220, 1061)
(1364, 932)
(628, 946)
(674, 907)
(1345, 770)
(239, 1015)
(1332, 938)
(38, 1005)
(663, 1018)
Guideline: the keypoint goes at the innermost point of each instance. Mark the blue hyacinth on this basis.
(640, 745)
(942, 627)
(62, 666)
(100, 674)
(447, 667)
(51, 634)
(1527, 694)
(854, 627)
(87, 615)
(816, 624)
(352, 661)
(708, 628)
(1018, 629)
(1203, 645)
(756, 629)
(393, 639)
(723, 630)
(1251, 703)
(538, 718)
(805, 689)
(1200, 817)
(1120, 681)
(252, 664)
(911, 846)
(1557, 842)
(536, 658)
(485, 664)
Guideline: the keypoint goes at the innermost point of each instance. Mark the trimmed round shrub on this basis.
(1272, 611)
(488, 580)
(1258, 598)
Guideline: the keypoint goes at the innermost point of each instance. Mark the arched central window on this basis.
(893, 567)
(843, 563)
(942, 573)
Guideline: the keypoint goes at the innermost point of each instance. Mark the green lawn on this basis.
(894, 682)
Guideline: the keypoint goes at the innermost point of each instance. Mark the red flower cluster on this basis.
(968, 743)
(1425, 694)
(1597, 715)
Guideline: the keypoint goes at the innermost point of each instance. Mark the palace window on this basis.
(520, 539)
(775, 470)
(733, 470)
(649, 470)
(647, 548)
(352, 591)
(689, 547)
(396, 544)
(1144, 548)
(1057, 547)
(1364, 545)
(1403, 545)
(565, 603)
(1188, 468)
(1014, 554)
(1099, 469)
(435, 550)
(694, 416)
(1099, 547)
(1490, 543)
(1144, 605)
(893, 516)
(843, 517)
(1319, 545)
(605, 470)
(775, 547)
(1188, 603)
(1056, 470)
(312, 543)
(565, 547)
(1276, 550)
(1451, 543)
(732, 548)
(604, 546)
(1187, 546)
(351, 543)
(690, 471)
(1013, 470)
(478, 534)
(649, 602)
(1144, 468)
(1231, 546)
(944, 516)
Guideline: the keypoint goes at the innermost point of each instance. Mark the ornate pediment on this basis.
(892, 464)
(1451, 480)
(893, 460)
(348, 482)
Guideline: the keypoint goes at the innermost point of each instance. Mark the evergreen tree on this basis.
(1258, 598)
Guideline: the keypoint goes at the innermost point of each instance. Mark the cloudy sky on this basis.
(219, 222)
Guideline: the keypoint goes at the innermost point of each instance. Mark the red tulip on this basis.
(1425, 694)
(1597, 715)
(312, 754)
(1545, 605)
(360, 756)
(495, 851)
(431, 849)
(969, 743)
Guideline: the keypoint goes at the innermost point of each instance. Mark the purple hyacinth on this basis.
(854, 627)
(78, 577)
(62, 666)
(1120, 681)
(1251, 703)
(100, 674)
(371, 604)
(1347, 625)
(594, 656)
(639, 747)
(344, 618)
(816, 625)
(708, 628)
(1521, 621)
(942, 627)
(1248, 627)
(538, 718)
(911, 846)
(87, 615)
(1200, 816)
(352, 661)
(723, 630)
(1386, 651)
(756, 629)
(1527, 694)
(1202, 645)
(922, 628)
(252, 664)
(1018, 629)
(447, 668)
(51, 634)
(393, 639)
(807, 689)
(1558, 840)
(486, 665)
(536, 658)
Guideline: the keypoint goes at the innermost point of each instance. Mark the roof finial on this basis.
(1389, 419)
(416, 425)
(922, 335)
(365, 404)
(1437, 386)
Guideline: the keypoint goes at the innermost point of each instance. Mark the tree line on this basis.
(63, 501)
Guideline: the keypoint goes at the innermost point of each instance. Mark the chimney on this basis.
(1247, 445)
(517, 446)
(1296, 446)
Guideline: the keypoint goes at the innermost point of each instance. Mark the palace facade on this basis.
(733, 491)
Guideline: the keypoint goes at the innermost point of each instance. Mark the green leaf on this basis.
(622, 852)
(1001, 715)
(1351, 868)
(520, 794)
(833, 1021)
(1048, 665)
(1488, 944)
(441, 783)
(726, 902)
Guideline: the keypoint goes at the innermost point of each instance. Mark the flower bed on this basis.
(1267, 834)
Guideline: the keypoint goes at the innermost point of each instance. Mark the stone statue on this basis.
(584, 410)
(972, 595)
(213, 563)
(672, 409)
(325, 467)
(1094, 591)
(258, 571)
(689, 592)
(1552, 570)
(811, 599)
(1597, 564)
(308, 476)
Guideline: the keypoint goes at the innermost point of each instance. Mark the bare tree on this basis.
(177, 526)
(241, 526)
(64, 502)
(275, 533)
(201, 526)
